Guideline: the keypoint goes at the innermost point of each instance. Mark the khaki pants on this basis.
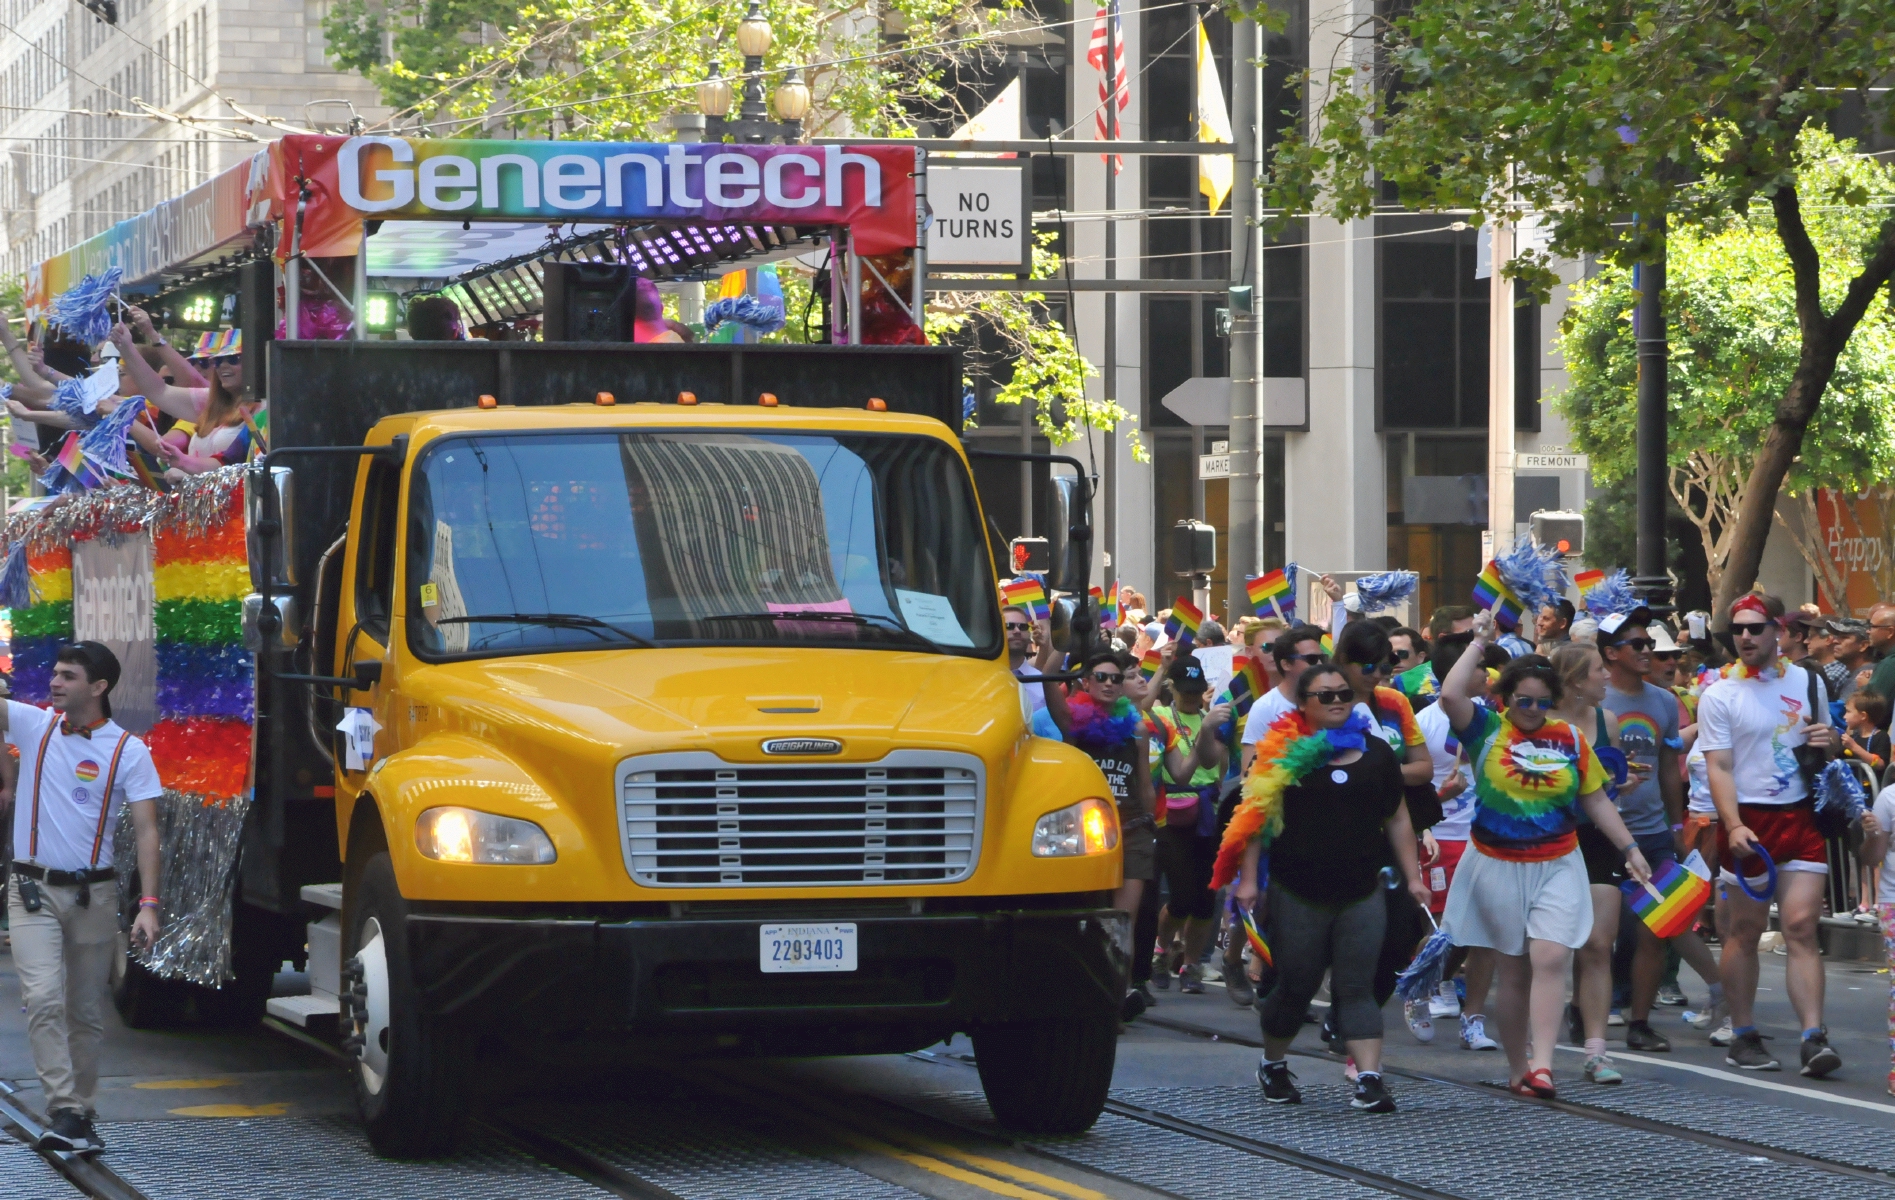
(63, 954)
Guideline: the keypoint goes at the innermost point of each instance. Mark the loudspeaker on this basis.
(256, 316)
(588, 302)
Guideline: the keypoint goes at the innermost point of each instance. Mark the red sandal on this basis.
(1535, 1085)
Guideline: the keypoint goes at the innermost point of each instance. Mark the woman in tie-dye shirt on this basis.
(1523, 891)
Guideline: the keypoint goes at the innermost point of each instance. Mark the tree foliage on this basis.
(1731, 318)
(1588, 111)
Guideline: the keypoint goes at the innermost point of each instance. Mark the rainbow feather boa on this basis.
(1287, 753)
(1094, 728)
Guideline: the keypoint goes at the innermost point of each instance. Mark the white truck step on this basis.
(301, 1010)
(329, 895)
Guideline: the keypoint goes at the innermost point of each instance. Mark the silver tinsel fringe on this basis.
(196, 504)
(198, 845)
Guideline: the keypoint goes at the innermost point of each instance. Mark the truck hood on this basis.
(727, 699)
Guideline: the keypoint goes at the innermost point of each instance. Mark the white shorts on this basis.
(1501, 904)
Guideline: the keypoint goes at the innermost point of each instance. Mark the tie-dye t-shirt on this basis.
(1527, 786)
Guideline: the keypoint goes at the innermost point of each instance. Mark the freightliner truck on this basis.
(658, 694)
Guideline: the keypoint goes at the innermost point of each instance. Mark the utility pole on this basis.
(1648, 278)
(1500, 400)
(1109, 384)
(1246, 316)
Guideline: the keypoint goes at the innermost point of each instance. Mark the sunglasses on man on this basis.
(1666, 655)
(1749, 629)
(1309, 660)
(1639, 645)
(1022, 626)
(1107, 677)
(1375, 668)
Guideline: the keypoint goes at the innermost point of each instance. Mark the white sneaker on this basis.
(1445, 1002)
(1723, 1036)
(1710, 1018)
(1419, 1022)
(1474, 1034)
(1615, 1017)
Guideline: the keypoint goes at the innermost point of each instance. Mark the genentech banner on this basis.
(871, 189)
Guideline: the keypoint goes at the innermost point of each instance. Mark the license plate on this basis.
(794, 948)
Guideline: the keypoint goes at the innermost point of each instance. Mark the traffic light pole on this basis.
(1653, 581)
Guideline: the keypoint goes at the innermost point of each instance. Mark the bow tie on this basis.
(85, 731)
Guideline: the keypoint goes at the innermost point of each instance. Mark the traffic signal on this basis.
(1563, 531)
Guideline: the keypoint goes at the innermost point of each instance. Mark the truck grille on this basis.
(694, 820)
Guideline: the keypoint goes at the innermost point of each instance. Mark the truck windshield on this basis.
(528, 542)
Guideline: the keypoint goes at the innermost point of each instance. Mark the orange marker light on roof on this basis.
(687, 397)
(605, 399)
(877, 404)
(487, 401)
(768, 399)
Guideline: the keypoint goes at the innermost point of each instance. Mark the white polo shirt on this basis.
(75, 815)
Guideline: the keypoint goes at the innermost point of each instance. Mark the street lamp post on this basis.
(752, 124)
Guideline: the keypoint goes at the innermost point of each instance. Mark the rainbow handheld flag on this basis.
(1027, 593)
(1492, 593)
(1246, 683)
(1672, 900)
(1110, 610)
(1182, 625)
(1257, 944)
(1585, 581)
(1276, 588)
(1149, 664)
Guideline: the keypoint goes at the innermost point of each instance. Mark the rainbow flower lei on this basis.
(1742, 670)
(1287, 753)
(1095, 728)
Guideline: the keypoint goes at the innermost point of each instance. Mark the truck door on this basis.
(369, 604)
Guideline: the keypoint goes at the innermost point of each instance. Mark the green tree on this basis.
(1588, 111)
(1731, 315)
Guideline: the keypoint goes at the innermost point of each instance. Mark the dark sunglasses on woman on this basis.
(1543, 703)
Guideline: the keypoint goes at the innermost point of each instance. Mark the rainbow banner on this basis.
(1149, 664)
(1587, 580)
(1672, 900)
(1492, 593)
(1026, 593)
(1182, 625)
(1276, 588)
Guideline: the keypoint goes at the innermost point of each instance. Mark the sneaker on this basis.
(1615, 1017)
(1819, 1058)
(1161, 971)
(1670, 996)
(1419, 1022)
(1132, 1007)
(1328, 1034)
(1640, 1035)
(1371, 1095)
(1747, 1053)
(1144, 993)
(1279, 1083)
(1191, 981)
(1238, 988)
(94, 1143)
(1598, 1069)
(1474, 1033)
(66, 1130)
(1718, 1014)
(1723, 1035)
(1445, 1002)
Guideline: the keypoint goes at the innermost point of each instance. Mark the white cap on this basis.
(1662, 642)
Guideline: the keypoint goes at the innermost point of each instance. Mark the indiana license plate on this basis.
(793, 948)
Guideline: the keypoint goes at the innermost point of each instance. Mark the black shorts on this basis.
(1185, 859)
(1605, 863)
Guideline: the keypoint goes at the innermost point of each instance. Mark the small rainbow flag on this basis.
(1026, 593)
(1276, 588)
(1182, 625)
(1109, 611)
(1672, 900)
(1246, 684)
(1493, 594)
(1587, 580)
(1149, 664)
(1257, 944)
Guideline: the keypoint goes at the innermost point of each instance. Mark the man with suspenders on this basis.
(77, 768)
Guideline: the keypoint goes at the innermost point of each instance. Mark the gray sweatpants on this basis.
(1308, 939)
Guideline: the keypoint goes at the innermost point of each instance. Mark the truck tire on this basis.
(145, 1001)
(409, 1076)
(1048, 1076)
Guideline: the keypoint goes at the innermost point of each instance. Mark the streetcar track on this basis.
(84, 1171)
(574, 1160)
(1652, 1125)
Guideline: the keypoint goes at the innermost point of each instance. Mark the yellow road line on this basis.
(233, 1110)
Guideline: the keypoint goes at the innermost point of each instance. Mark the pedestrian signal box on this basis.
(1563, 531)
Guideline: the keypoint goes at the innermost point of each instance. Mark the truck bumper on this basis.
(695, 980)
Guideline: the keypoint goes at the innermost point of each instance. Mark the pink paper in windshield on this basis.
(830, 629)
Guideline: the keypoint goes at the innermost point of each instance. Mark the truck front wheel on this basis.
(408, 1081)
(1048, 1076)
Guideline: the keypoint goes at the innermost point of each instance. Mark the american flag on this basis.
(1095, 54)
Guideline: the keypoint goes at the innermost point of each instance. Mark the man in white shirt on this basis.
(1293, 651)
(77, 769)
(1750, 725)
(1018, 623)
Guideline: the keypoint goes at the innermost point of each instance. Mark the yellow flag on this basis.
(1215, 171)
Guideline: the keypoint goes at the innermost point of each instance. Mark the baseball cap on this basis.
(1187, 675)
(100, 662)
(1611, 624)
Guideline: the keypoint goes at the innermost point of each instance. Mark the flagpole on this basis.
(1110, 384)
(1246, 304)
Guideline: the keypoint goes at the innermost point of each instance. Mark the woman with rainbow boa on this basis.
(1322, 794)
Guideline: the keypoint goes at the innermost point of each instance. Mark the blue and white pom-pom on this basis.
(14, 591)
(1613, 594)
(1386, 589)
(84, 309)
(748, 311)
(1838, 788)
(70, 397)
(1533, 572)
(104, 443)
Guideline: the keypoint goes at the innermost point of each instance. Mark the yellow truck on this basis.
(659, 694)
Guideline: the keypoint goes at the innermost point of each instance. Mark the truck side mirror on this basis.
(1068, 534)
(277, 520)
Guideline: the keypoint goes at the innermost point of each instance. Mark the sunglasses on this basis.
(1640, 644)
(1403, 655)
(1013, 625)
(1543, 703)
(1748, 629)
(1329, 696)
(1306, 659)
(1107, 677)
(1377, 668)
(1666, 655)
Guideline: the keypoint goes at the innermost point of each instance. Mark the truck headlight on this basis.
(464, 835)
(1088, 827)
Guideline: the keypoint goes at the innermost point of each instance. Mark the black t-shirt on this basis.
(1119, 762)
(1333, 846)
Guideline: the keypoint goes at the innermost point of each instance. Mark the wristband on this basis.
(1628, 848)
(148, 902)
(1677, 829)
